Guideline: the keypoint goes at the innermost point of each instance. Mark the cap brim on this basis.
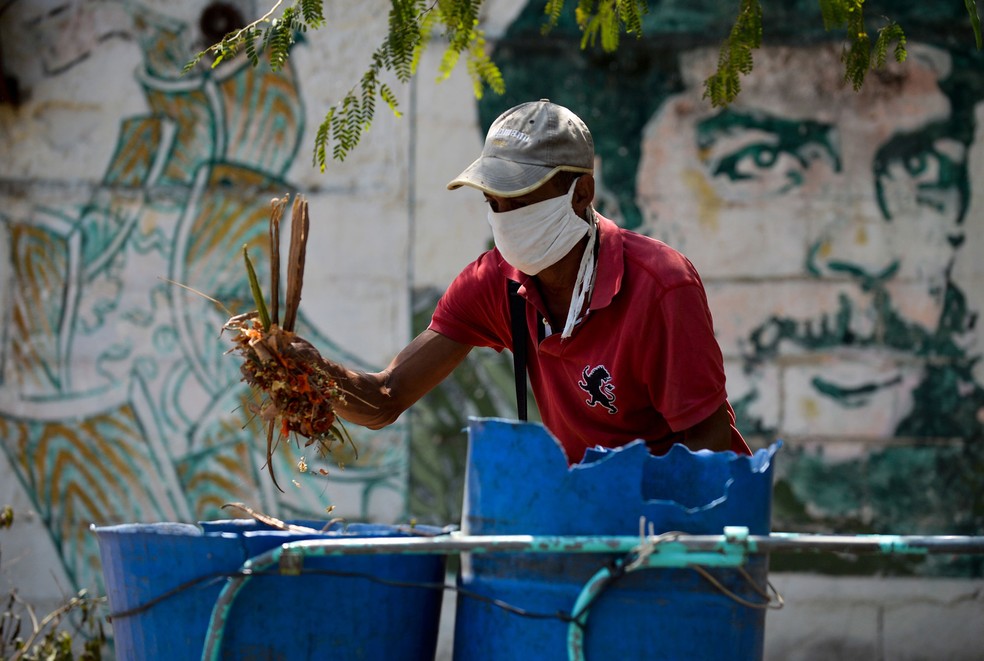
(502, 178)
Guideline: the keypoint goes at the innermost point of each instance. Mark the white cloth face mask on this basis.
(538, 235)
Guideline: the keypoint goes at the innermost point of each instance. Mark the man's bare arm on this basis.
(714, 433)
(376, 399)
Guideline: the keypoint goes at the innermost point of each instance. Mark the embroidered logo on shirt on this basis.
(597, 382)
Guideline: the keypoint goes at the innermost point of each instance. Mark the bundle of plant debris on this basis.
(294, 392)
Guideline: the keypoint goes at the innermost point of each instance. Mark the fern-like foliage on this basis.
(269, 33)
(735, 56)
(313, 13)
(604, 19)
(412, 24)
(403, 38)
(891, 33)
(834, 13)
(415, 24)
(553, 10)
(859, 55)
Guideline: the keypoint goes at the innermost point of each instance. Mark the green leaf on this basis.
(552, 11)
(414, 23)
(975, 20)
(857, 59)
(835, 13)
(313, 13)
(735, 57)
(322, 138)
(254, 286)
(886, 35)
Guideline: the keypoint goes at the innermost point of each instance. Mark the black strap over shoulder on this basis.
(517, 315)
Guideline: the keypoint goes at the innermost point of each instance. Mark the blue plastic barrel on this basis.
(163, 579)
(518, 606)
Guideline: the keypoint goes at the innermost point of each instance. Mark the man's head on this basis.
(525, 147)
(535, 173)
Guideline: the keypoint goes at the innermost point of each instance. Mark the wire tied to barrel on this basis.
(648, 544)
(733, 551)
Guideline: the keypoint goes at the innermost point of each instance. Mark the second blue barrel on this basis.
(519, 606)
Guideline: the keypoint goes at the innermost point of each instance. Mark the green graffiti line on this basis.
(946, 403)
(889, 331)
(908, 489)
(852, 397)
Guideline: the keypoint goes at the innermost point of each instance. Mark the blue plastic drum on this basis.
(163, 580)
(519, 607)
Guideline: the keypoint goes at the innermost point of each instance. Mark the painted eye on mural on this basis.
(762, 154)
(921, 172)
(752, 162)
(771, 168)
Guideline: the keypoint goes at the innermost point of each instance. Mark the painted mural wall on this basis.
(121, 176)
(837, 234)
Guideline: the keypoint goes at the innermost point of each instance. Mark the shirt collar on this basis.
(611, 263)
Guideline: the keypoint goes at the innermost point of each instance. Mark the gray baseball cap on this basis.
(527, 145)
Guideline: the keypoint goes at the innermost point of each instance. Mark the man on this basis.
(829, 221)
(621, 343)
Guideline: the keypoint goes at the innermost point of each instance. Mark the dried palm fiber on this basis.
(294, 391)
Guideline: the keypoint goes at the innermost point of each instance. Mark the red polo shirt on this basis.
(643, 363)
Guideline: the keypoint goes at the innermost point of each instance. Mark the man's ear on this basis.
(584, 191)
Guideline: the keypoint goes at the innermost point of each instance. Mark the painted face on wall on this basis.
(824, 222)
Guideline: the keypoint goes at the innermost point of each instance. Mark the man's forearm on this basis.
(377, 399)
(714, 433)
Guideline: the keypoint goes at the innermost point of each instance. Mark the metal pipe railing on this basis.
(667, 550)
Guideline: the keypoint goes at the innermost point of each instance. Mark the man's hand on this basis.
(305, 349)
(377, 399)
